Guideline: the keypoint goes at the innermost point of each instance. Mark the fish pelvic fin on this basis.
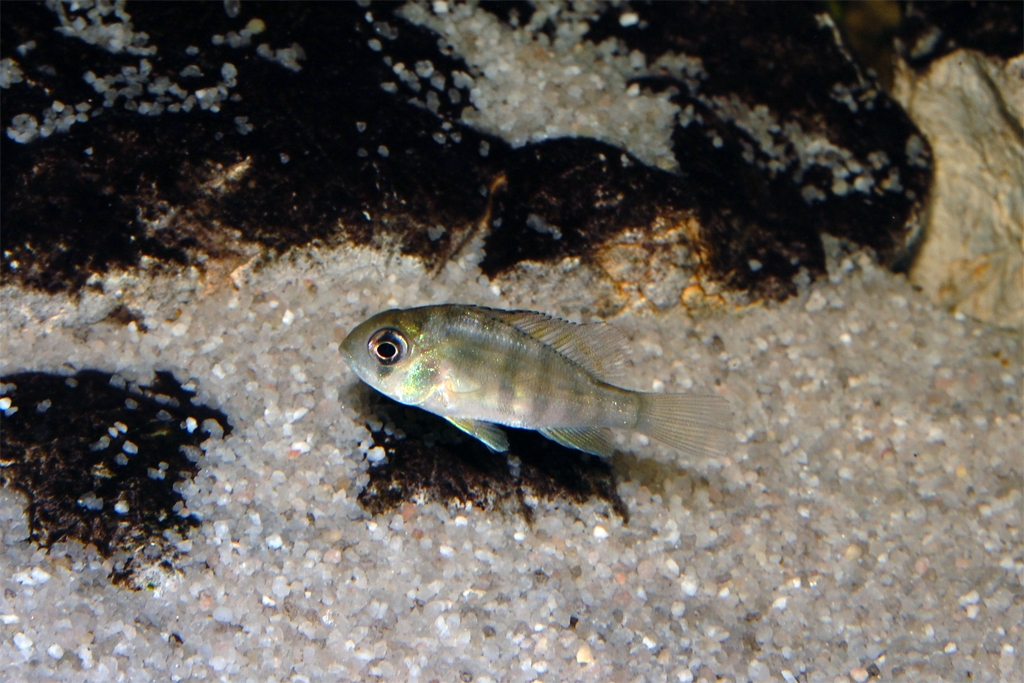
(593, 440)
(695, 424)
(491, 434)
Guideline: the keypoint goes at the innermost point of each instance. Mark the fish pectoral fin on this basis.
(491, 434)
(593, 440)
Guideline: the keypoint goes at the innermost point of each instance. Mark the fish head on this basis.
(392, 352)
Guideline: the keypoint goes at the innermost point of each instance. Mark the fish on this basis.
(483, 368)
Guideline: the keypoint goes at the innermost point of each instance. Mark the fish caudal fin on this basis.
(696, 424)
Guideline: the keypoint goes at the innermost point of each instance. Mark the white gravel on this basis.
(870, 514)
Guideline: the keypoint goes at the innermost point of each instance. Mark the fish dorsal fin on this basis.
(599, 348)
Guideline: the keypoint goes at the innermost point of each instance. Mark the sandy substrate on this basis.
(868, 519)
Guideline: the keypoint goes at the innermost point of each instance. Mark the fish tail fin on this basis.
(696, 424)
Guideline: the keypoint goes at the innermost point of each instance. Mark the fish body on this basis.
(481, 367)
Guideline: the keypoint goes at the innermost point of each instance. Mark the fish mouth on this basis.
(347, 348)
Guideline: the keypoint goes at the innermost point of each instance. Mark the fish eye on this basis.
(388, 346)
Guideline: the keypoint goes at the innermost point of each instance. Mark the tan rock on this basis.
(969, 106)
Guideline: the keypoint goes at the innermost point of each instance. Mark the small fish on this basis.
(482, 367)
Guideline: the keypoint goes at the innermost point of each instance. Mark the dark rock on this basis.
(933, 29)
(752, 181)
(333, 157)
(181, 188)
(581, 188)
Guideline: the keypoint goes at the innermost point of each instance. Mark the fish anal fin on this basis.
(491, 434)
(599, 348)
(593, 440)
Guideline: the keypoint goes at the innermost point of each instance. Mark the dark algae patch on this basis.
(434, 462)
(100, 460)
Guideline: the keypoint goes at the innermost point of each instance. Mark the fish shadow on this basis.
(429, 460)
